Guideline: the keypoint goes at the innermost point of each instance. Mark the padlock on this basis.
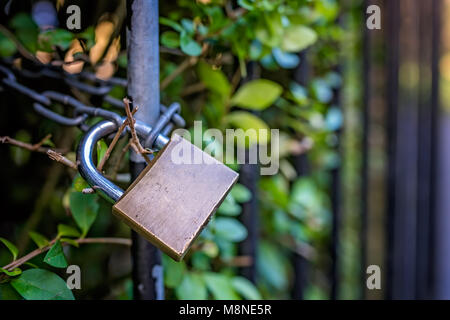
(170, 202)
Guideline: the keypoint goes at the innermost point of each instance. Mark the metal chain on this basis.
(169, 117)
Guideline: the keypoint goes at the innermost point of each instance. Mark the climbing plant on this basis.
(230, 65)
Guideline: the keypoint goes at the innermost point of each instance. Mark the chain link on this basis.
(169, 118)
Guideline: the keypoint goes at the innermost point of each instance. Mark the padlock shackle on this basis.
(85, 159)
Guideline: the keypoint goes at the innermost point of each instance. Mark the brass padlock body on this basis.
(171, 202)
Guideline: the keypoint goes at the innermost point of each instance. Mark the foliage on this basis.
(231, 47)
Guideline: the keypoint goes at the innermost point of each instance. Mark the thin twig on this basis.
(234, 14)
(238, 261)
(23, 51)
(301, 147)
(171, 51)
(134, 137)
(17, 263)
(188, 62)
(194, 88)
(114, 141)
(40, 143)
(119, 160)
(235, 79)
(61, 159)
(46, 193)
(28, 146)
(118, 241)
(301, 248)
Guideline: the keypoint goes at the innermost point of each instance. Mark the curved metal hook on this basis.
(86, 149)
(86, 165)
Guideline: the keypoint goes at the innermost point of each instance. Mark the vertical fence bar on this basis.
(335, 196)
(437, 6)
(248, 247)
(426, 143)
(392, 35)
(365, 151)
(300, 263)
(143, 89)
(249, 174)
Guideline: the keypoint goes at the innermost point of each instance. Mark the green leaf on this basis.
(8, 293)
(25, 30)
(322, 90)
(122, 61)
(189, 45)
(214, 80)
(21, 156)
(210, 249)
(32, 265)
(55, 256)
(49, 142)
(7, 46)
(245, 288)
(72, 242)
(270, 29)
(188, 26)
(11, 247)
(240, 193)
(191, 288)
(84, 209)
(229, 207)
(39, 239)
(55, 37)
(40, 284)
(173, 272)
(247, 121)
(257, 94)
(284, 59)
(13, 273)
(89, 36)
(101, 150)
(200, 261)
(220, 286)
(170, 39)
(297, 38)
(67, 231)
(170, 23)
(79, 184)
(272, 266)
(230, 229)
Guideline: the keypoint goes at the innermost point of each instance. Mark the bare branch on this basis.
(235, 79)
(119, 160)
(188, 62)
(171, 51)
(60, 158)
(134, 137)
(194, 88)
(115, 139)
(301, 147)
(28, 146)
(17, 263)
(23, 51)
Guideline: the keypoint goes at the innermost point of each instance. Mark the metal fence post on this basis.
(143, 88)
(249, 177)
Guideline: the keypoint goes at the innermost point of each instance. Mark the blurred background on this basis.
(364, 135)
